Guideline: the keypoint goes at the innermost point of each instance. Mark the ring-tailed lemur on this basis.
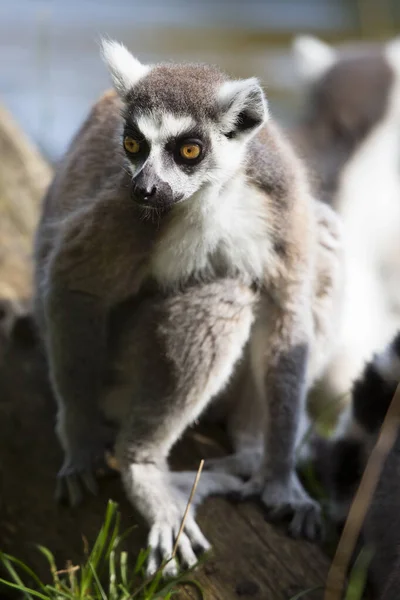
(340, 463)
(349, 135)
(178, 236)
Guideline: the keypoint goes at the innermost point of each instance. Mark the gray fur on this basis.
(146, 309)
(343, 106)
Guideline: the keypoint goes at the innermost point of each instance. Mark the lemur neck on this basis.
(221, 230)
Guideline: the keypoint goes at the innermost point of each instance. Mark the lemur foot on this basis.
(82, 463)
(286, 500)
(162, 539)
(210, 484)
(242, 464)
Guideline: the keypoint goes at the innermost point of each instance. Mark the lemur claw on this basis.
(74, 482)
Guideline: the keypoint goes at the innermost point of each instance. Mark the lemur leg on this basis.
(280, 347)
(244, 417)
(244, 405)
(176, 354)
(245, 414)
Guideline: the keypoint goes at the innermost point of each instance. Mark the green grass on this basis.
(105, 574)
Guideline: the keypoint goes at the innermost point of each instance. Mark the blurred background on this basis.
(50, 71)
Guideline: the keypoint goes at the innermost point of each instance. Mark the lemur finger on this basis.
(160, 541)
(196, 537)
(186, 553)
(305, 522)
(313, 525)
(166, 542)
(74, 490)
(153, 560)
(90, 482)
(61, 492)
(166, 545)
(171, 569)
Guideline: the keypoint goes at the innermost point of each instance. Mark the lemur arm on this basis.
(87, 274)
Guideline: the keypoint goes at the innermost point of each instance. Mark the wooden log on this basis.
(24, 176)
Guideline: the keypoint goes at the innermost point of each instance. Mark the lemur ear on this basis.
(124, 68)
(312, 56)
(243, 107)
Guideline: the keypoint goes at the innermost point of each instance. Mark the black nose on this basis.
(144, 193)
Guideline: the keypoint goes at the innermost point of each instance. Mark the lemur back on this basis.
(179, 239)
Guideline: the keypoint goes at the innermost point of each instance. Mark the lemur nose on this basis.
(144, 193)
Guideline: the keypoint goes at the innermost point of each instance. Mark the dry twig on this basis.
(192, 493)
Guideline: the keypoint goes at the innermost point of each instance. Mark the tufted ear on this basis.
(124, 68)
(313, 57)
(243, 107)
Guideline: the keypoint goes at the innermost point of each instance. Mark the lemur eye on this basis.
(190, 151)
(131, 145)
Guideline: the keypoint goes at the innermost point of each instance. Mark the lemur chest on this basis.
(228, 237)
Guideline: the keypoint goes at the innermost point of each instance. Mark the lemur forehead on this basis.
(159, 126)
(184, 89)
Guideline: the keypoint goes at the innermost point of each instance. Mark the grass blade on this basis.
(141, 559)
(306, 592)
(123, 565)
(18, 581)
(65, 593)
(97, 580)
(112, 587)
(25, 567)
(358, 575)
(28, 592)
(51, 560)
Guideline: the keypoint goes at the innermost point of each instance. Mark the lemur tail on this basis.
(372, 394)
(374, 390)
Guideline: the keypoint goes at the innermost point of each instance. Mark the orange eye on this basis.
(190, 151)
(131, 145)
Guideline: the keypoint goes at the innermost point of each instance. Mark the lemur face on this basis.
(185, 126)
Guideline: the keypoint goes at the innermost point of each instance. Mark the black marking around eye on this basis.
(194, 136)
(131, 131)
(191, 134)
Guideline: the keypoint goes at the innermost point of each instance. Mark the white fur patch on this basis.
(124, 68)
(226, 225)
(157, 128)
(313, 57)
